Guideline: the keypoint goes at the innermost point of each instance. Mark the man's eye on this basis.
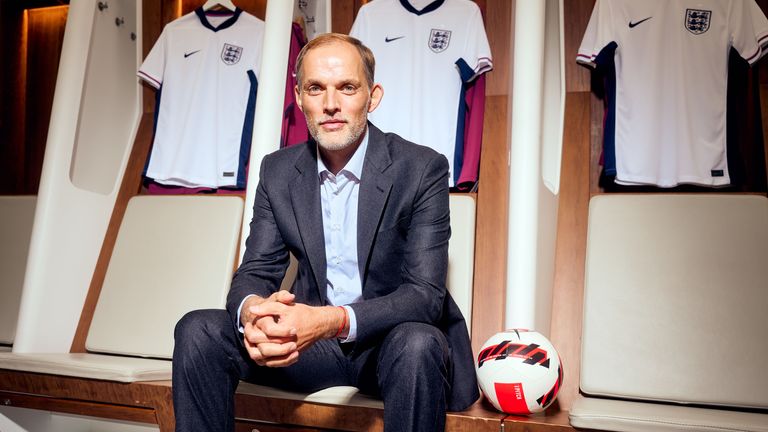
(313, 90)
(349, 88)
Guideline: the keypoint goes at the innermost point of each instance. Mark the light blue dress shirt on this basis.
(338, 199)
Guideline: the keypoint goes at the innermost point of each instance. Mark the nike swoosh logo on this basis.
(190, 53)
(634, 24)
(388, 39)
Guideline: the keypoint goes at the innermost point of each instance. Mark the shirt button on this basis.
(336, 227)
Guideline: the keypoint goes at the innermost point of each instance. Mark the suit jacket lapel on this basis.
(372, 199)
(305, 199)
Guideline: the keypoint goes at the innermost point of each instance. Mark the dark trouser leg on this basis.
(207, 364)
(413, 370)
(209, 361)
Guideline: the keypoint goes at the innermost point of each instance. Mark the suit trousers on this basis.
(409, 369)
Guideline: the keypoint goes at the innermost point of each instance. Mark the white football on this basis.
(519, 371)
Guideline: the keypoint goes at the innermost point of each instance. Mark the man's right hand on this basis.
(276, 349)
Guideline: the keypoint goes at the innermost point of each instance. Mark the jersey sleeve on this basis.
(749, 30)
(599, 33)
(360, 25)
(477, 53)
(152, 69)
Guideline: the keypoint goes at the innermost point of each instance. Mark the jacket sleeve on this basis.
(266, 255)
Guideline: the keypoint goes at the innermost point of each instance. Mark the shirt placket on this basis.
(336, 213)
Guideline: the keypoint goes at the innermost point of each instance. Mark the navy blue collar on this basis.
(430, 7)
(226, 24)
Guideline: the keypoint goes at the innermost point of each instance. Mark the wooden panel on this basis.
(481, 416)
(45, 35)
(343, 13)
(98, 398)
(491, 233)
(577, 13)
(552, 420)
(284, 411)
(570, 250)
(113, 398)
(116, 412)
(108, 392)
(13, 78)
(171, 9)
(499, 27)
(763, 89)
(746, 156)
(163, 404)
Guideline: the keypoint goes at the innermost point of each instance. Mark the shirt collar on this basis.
(355, 164)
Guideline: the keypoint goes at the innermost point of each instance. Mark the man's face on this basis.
(335, 97)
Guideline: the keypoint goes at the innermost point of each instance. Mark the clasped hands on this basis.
(277, 329)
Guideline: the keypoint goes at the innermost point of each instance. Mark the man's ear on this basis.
(297, 96)
(376, 94)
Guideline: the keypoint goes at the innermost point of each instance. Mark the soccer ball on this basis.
(519, 371)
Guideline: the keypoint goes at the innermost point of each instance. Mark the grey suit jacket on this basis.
(402, 240)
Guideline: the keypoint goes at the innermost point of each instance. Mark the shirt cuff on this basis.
(352, 336)
(239, 309)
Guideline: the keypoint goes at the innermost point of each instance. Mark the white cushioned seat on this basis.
(173, 254)
(17, 214)
(620, 415)
(675, 300)
(461, 262)
(88, 365)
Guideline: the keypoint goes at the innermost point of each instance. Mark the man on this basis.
(366, 215)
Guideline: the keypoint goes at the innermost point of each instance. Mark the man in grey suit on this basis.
(366, 215)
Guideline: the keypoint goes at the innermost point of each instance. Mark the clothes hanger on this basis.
(226, 4)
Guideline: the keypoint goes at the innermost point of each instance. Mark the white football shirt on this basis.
(205, 65)
(671, 64)
(418, 48)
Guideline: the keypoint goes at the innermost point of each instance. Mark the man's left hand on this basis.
(311, 323)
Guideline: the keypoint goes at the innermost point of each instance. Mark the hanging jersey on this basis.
(468, 167)
(294, 130)
(205, 65)
(671, 68)
(419, 53)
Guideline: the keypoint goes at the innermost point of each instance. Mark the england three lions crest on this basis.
(439, 40)
(697, 20)
(230, 54)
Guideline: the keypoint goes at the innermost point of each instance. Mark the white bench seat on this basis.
(675, 301)
(173, 254)
(88, 365)
(633, 416)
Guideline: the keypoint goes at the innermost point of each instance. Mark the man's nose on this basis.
(331, 101)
